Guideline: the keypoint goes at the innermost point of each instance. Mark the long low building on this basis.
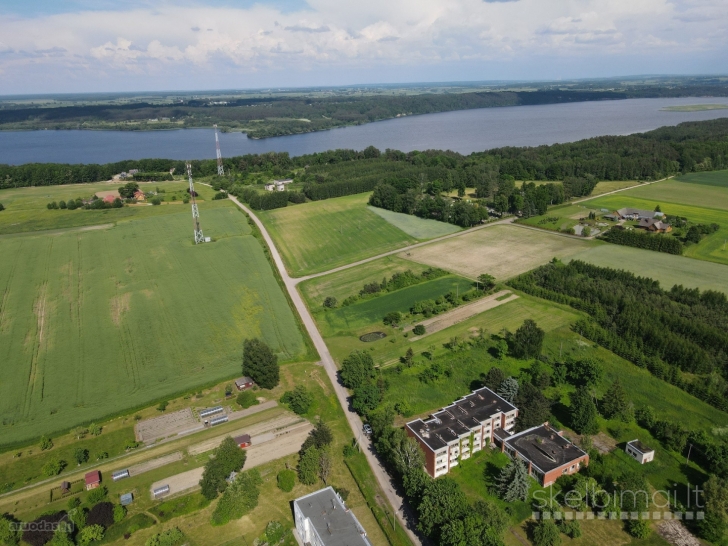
(544, 451)
(461, 429)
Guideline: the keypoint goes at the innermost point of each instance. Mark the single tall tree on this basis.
(357, 370)
(616, 403)
(508, 389)
(260, 363)
(583, 412)
(493, 378)
(533, 407)
(513, 482)
(527, 340)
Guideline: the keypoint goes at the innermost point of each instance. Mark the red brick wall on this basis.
(552, 476)
(429, 454)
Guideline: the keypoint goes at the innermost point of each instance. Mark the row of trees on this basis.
(645, 240)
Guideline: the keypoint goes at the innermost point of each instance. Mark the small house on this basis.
(270, 187)
(109, 198)
(126, 499)
(243, 441)
(639, 452)
(244, 383)
(93, 479)
(657, 226)
(139, 195)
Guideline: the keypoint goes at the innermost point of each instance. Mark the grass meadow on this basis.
(501, 251)
(25, 208)
(666, 268)
(697, 190)
(95, 322)
(321, 235)
(419, 228)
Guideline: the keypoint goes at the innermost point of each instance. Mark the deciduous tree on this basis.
(260, 363)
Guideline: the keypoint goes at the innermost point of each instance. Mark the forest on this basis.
(262, 117)
(679, 335)
(688, 147)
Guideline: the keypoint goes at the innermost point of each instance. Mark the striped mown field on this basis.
(93, 322)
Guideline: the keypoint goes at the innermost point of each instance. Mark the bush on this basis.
(246, 399)
(53, 467)
(62, 205)
(330, 302)
(101, 514)
(349, 450)
(274, 532)
(286, 480)
(392, 319)
(156, 201)
(171, 537)
(220, 195)
(162, 406)
(96, 495)
(2, 207)
(45, 443)
(419, 330)
(239, 498)
(119, 513)
(299, 399)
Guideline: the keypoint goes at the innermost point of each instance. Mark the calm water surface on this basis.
(464, 131)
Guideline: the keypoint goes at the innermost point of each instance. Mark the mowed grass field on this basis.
(708, 190)
(25, 208)
(419, 228)
(666, 268)
(501, 251)
(94, 322)
(711, 248)
(321, 235)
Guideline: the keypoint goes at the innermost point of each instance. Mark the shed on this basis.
(211, 411)
(218, 420)
(126, 499)
(119, 475)
(639, 452)
(93, 479)
(243, 383)
(160, 491)
(243, 441)
(65, 487)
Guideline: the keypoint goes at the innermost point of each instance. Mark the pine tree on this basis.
(260, 363)
(508, 390)
(513, 482)
(583, 412)
(616, 403)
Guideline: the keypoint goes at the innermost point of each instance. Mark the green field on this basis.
(711, 248)
(93, 322)
(349, 282)
(419, 228)
(666, 268)
(561, 218)
(25, 208)
(689, 190)
(321, 235)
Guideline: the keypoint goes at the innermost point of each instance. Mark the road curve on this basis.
(329, 365)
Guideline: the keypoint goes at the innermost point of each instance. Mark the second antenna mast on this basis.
(199, 237)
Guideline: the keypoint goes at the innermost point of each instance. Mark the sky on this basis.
(64, 46)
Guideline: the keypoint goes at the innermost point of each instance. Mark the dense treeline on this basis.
(643, 239)
(689, 147)
(679, 335)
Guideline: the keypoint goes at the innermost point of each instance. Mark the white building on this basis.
(639, 452)
(322, 519)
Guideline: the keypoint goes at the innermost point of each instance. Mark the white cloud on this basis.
(331, 37)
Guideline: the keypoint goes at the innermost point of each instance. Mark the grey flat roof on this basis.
(334, 523)
(457, 419)
(545, 447)
(639, 446)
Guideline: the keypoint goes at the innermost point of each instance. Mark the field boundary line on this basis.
(621, 189)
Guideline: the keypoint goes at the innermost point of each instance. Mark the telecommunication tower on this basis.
(220, 170)
(199, 238)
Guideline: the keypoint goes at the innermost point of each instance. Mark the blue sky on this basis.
(103, 45)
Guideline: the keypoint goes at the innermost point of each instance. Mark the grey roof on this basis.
(126, 499)
(459, 418)
(333, 521)
(639, 446)
(544, 447)
(629, 211)
(243, 380)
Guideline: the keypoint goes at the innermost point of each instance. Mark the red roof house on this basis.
(109, 198)
(139, 195)
(243, 441)
(93, 479)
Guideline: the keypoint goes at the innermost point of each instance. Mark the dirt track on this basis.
(464, 312)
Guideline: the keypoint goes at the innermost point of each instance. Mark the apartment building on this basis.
(461, 429)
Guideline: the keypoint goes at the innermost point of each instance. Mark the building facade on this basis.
(639, 452)
(461, 429)
(322, 519)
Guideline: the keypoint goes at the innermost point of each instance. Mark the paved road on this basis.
(330, 366)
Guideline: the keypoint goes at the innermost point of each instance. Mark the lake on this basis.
(464, 131)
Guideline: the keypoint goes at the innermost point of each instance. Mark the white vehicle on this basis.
(367, 430)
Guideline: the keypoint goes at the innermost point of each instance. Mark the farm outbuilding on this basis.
(119, 475)
(218, 420)
(126, 499)
(244, 383)
(92, 479)
(210, 411)
(639, 452)
(65, 487)
(243, 441)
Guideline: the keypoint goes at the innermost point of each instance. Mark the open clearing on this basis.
(693, 192)
(501, 251)
(666, 268)
(464, 312)
(321, 235)
(713, 178)
(711, 247)
(94, 322)
(419, 228)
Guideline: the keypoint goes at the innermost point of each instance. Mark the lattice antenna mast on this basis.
(220, 169)
(199, 238)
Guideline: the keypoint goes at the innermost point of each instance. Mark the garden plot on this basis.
(501, 251)
(169, 424)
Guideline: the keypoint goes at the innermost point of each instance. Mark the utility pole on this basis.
(220, 170)
(689, 451)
